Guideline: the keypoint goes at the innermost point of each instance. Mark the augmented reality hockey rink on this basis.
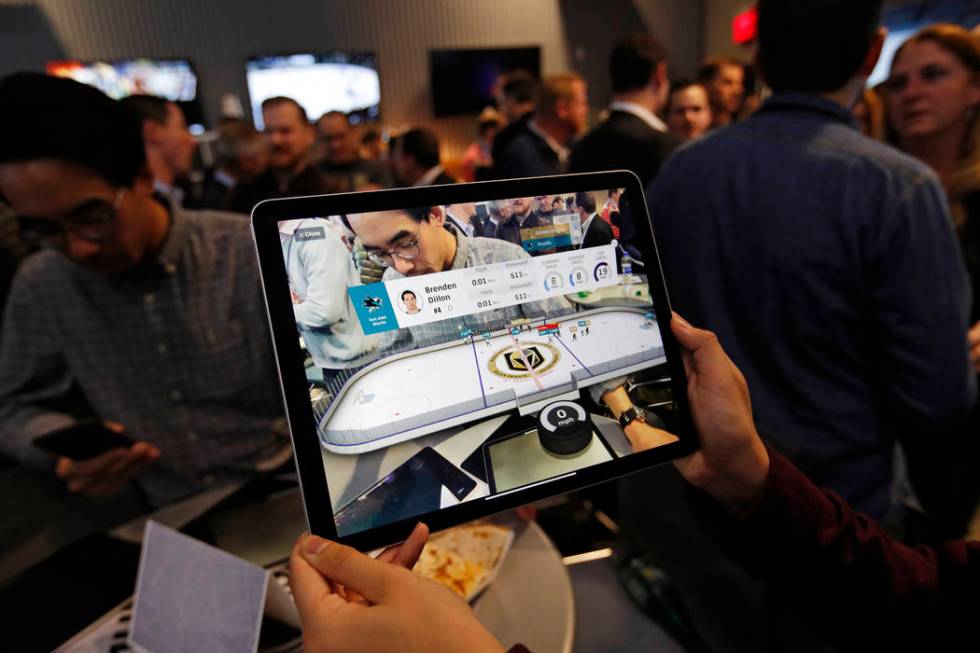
(422, 391)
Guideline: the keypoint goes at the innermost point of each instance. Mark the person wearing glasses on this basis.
(419, 241)
(153, 314)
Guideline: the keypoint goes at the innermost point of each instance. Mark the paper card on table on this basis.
(193, 597)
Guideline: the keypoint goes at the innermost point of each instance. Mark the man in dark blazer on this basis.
(290, 173)
(541, 147)
(415, 159)
(595, 231)
(515, 98)
(633, 137)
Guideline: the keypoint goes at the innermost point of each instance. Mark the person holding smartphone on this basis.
(152, 313)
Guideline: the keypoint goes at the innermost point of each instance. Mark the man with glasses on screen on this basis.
(419, 241)
(149, 312)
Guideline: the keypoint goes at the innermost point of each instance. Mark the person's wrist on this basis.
(740, 490)
(634, 431)
(617, 401)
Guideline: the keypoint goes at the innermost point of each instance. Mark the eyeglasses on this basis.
(407, 250)
(93, 221)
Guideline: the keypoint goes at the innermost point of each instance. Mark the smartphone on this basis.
(411, 489)
(83, 440)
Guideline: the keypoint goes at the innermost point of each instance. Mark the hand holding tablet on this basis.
(732, 466)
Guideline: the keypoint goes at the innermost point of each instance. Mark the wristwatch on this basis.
(630, 415)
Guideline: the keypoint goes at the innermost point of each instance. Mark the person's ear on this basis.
(874, 52)
(437, 216)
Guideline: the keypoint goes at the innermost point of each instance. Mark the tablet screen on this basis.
(450, 328)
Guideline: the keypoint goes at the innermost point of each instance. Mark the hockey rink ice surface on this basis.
(422, 391)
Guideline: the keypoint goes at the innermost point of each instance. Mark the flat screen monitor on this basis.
(336, 81)
(171, 79)
(463, 81)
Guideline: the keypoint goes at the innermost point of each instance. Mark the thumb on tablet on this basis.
(342, 564)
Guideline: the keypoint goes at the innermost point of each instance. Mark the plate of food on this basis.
(465, 559)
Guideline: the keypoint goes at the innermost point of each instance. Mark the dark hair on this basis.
(585, 201)
(371, 134)
(711, 68)
(519, 86)
(235, 135)
(814, 46)
(422, 145)
(681, 85)
(280, 100)
(633, 62)
(334, 112)
(408, 292)
(418, 213)
(147, 107)
(44, 117)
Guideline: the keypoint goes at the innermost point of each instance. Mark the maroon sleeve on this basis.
(846, 576)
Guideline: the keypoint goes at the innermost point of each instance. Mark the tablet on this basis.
(441, 349)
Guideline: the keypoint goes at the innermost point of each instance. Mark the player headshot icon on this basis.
(410, 302)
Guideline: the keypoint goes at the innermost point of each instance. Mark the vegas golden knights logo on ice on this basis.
(512, 362)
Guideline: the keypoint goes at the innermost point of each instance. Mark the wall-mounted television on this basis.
(334, 81)
(172, 79)
(463, 81)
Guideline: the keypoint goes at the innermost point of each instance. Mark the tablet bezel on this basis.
(295, 388)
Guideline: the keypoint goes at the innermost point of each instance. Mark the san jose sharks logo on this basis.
(372, 304)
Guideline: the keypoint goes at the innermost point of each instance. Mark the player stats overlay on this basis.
(426, 383)
(443, 295)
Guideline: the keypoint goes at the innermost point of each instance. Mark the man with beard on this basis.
(542, 146)
(290, 173)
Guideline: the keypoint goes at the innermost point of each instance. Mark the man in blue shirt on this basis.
(827, 265)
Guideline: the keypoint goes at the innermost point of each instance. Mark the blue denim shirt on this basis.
(827, 264)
